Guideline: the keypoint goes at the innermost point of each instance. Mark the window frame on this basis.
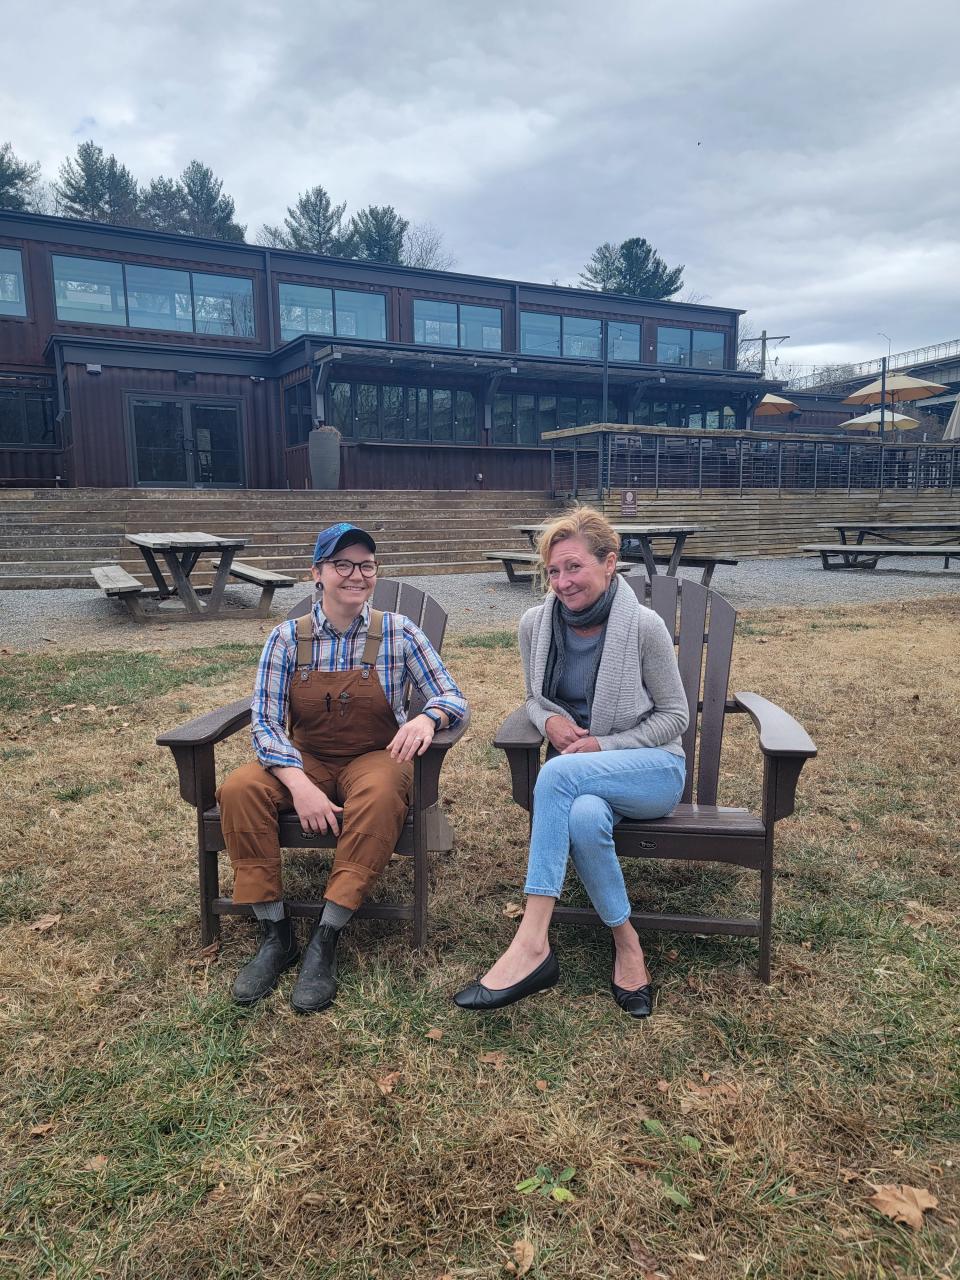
(12, 315)
(187, 401)
(21, 394)
(459, 305)
(414, 396)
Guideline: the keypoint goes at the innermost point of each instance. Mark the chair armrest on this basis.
(210, 728)
(518, 730)
(780, 734)
(786, 748)
(426, 768)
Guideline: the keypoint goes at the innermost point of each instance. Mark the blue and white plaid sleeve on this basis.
(271, 692)
(425, 668)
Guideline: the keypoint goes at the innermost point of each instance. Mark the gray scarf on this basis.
(562, 618)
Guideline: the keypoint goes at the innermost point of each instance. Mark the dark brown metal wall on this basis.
(384, 466)
(24, 468)
(99, 420)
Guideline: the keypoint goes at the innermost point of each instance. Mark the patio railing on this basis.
(652, 460)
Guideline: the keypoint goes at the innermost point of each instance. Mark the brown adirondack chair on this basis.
(426, 829)
(697, 830)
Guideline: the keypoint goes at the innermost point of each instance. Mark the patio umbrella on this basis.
(900, 386)
(871, 421)
(773, 406)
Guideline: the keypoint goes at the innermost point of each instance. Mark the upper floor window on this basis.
(13, 299)
(623, 341)
(455, 324)
(93, 291)
(347, 313)
(690, 348)
(574, 337)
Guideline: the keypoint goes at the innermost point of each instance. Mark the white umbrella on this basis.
(773, 406)
(900, 386)
(871, 421)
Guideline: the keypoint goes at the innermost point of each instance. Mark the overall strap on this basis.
(305, 640)
(374, 636)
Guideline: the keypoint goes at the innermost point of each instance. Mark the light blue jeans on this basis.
(577, 802)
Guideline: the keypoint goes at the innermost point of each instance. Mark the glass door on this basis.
(185, 444)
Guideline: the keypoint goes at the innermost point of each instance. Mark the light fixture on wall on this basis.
(94, 368)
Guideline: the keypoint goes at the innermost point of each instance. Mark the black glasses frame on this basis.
(368, 568)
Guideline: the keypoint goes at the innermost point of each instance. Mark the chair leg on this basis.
(209, 890)
(420, 882)
(766, 920)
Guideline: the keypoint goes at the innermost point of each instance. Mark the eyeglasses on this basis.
(345, 568)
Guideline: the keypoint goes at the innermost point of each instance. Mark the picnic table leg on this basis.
(266, 596)
(191, 601)
(647, 552)
(135, 608)
(675, 554)
(215, 598)
(707, 574)
(156, 573)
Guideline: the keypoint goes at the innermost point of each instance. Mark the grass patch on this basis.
(742, 1125)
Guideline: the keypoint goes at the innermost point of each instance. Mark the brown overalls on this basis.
(340, 722)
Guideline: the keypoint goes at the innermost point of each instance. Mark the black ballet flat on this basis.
(639, 1003)
(480, 999)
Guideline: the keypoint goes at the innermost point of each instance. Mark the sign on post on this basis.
(628, 502)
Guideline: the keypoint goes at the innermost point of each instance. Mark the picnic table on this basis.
(945, 533)
(636, 543)
(893, 531)
(180, 553)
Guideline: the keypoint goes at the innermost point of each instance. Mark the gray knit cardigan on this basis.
(638, 700)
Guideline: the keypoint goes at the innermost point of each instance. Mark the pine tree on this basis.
(207, 211)
(313, 224)
(375, 234)
(18, 180)
(633, 267)
(97, 187)
(162, 206)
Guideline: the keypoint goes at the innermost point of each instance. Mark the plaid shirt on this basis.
(405, 654)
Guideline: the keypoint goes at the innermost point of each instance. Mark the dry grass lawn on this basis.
(150, 1129)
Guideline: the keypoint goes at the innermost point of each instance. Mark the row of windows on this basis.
(92, 291)
(523, 417)
(368, 411)
(27, 418)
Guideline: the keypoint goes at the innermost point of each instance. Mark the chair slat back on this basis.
(669, 597)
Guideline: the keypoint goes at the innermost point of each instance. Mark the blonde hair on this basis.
(583, 522)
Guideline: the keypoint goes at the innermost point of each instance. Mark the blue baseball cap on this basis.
(338, 536)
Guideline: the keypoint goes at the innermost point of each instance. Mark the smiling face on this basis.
(343, 598)
(576, 575)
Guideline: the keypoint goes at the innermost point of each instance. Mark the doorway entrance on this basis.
(191, 444)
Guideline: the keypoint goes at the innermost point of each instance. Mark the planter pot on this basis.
(324, 445)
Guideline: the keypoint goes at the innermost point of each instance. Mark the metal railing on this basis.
(656, 461)
(837, 375)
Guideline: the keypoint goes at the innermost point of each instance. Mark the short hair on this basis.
(579, 522)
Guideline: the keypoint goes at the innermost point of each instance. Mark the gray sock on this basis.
(334, 915)
(269, 910)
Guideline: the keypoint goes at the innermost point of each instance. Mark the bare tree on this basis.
(423, 247)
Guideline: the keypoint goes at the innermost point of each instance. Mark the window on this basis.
(304, 309)
(502, 419)
(368, 411)
(452, 324)
(186, 442)
(539, 334)
(297, 413)
(361, 315)
(13, 299)
(435, 323)
(700, 348)
(465, 420)
(481, 328)
(88, 291)
(223, 305)
(707, 349)
(524, 417)
(27, 419)
(341, 407)
(159, 299)
(581, 338)
(394, 412)
(623, 341)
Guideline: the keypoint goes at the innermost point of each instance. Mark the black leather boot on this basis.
(278, 950)
(316, 984)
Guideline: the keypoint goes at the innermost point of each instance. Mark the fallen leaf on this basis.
(643, 1257)
(849, 1175)
(313, 1198)
(387, 1083)
(761, 639)
(692, 982)
(671, 955)
(512, 910)
(434, 1034)
(854, 825)
(542, 1086)
(218, 1192)
(902, 1203)
(97, 1163)
(806, 946)
(41, 1130)
(663, 1086)
(55, 719)
(45, 922)
(721, 1093)
(705, 1077)
(523, 1256)
(494, 1058)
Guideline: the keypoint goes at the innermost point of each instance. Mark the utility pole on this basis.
(763, 340)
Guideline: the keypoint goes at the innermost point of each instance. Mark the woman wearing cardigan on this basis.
(603, 687)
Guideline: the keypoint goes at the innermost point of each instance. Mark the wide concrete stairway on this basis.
(52, 537)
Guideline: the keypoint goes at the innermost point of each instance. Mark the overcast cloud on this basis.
(799, 158)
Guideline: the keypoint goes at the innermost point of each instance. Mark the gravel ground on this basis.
(81, 619)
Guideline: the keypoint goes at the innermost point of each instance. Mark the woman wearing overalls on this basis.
(332, 742)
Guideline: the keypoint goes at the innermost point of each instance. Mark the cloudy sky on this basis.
(799, 156)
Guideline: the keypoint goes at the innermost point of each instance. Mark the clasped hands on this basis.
(569, 738)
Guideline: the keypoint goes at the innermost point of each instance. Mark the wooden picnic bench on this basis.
(266, 579)
(864, 555)
(114, 581)
(511, 558)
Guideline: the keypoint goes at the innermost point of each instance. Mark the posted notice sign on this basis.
(628, 502)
